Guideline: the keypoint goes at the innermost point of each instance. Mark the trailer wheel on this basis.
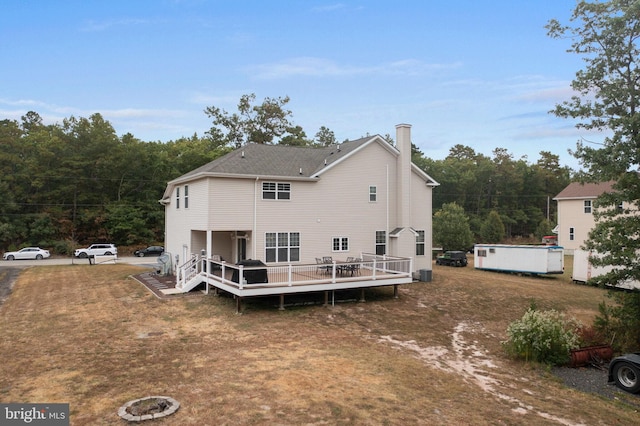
(627, 376)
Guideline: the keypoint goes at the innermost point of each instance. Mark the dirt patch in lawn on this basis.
(96, 338)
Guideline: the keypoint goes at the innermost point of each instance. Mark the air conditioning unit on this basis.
(164, 267)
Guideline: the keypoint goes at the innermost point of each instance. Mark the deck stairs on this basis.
(189, 275)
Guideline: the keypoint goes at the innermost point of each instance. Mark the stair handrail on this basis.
(188, 270)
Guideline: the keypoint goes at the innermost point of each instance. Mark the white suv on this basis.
(97, 250)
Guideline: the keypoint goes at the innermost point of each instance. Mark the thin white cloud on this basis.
(95, 26)
(552, 94)
(22, 102)
(206, 99)
(136, 113)
(319, 67)
(52, 114)
(329, 7)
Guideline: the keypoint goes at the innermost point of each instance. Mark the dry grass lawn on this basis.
(95, 338)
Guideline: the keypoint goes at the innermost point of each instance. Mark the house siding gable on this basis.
(571, 215)
(338, 202)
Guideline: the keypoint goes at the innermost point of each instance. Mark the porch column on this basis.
(208, 257)
(209, 244)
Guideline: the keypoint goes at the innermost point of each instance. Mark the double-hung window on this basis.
(282, 246)
(420, 243)
(381, 242)
(276, 191)
(373, 193)
(572, 234)
(340, 244)
(177, 197)
(587, 206)
(186, 196)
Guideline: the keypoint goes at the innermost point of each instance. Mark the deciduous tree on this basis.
(451, 228)
(607, 99)
(262, 123)
(605, 34)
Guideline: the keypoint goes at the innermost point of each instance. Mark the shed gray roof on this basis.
(277, 160)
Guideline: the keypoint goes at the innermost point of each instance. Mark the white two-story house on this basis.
(284, 204)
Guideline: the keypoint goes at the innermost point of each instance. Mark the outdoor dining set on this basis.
(351, 266)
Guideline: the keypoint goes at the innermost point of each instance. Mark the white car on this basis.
(27, 253)
(97, 250)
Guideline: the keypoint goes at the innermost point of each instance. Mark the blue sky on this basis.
(479, 73)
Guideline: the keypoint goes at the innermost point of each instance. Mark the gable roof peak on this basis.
(576, 190)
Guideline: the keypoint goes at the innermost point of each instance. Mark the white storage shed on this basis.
(583, 270)
(527, 259)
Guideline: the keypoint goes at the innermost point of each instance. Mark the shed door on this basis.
(555, 261)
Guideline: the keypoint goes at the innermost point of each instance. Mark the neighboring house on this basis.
(284, 204)
(575, 212)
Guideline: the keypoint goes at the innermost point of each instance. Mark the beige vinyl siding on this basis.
(196, 214)
(175, 229)
(232, 203)
(571, 215)
(336, 205)
(421, 207)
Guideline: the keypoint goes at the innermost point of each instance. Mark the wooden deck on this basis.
(370, 271)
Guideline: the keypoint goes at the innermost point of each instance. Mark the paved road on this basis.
(142, 261)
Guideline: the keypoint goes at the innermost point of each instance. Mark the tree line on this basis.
(500, 198)
(76, 182)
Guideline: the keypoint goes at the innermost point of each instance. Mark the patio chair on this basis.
(327, 259)
(322, 266)
(355, 266)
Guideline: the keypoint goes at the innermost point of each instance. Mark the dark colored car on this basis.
(624, 371)
(452, 258)
(149, 251)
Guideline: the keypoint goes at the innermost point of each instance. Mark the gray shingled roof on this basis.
(584, 190)
(277, 160)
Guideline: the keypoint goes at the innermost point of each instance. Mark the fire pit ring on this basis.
(148, 408)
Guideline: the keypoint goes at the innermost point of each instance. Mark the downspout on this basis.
(386, 233)
(255, 217)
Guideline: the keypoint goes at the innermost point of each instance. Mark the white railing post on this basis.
(333, 272)
(290, 275)
(373, 273)
(241, 276)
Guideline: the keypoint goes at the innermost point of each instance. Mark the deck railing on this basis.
(369, 267)
(187, 271)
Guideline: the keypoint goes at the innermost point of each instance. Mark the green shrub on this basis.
(542, 336)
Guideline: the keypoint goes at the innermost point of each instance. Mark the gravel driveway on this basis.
(594, 380)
